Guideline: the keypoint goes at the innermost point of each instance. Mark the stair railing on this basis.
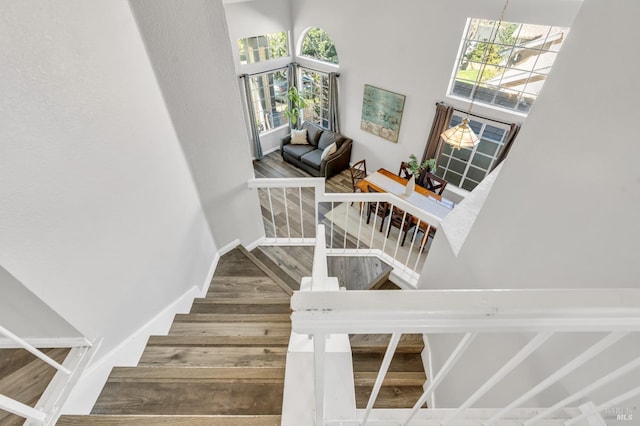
(294, 202)
(48, 407)
(473, 313)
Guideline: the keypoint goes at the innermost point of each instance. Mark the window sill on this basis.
(491, 111)
(274, 130)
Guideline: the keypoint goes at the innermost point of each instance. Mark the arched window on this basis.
(317, 44)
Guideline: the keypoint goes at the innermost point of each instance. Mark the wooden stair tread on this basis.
(214, 356)
(283, 285)
(219, 318)
(363, 362)
(232, 306)
(248, 299)
(218, 340)
(124, 374)
(245, 284)
(173, 420)
(247, 295)
(276, 268)
(189, 398)
(231, 329)
(392, 378)
(389, 396)
(409, 343)
(235, 264)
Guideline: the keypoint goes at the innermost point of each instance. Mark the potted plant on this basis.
(296, 104)
(417, 168)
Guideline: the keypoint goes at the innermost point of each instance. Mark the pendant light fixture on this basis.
(462, 136)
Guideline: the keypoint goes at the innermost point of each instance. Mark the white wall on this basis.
(564, 210)
(408, 47)
(25, 315)
(99, 215)
(188, 44)
(248, 19)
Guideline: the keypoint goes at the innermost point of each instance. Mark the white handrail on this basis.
(22, 410)
(25, 345)
(320, 272)
(543, 311)
(405, 262)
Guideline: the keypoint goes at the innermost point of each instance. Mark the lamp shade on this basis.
(460, 136)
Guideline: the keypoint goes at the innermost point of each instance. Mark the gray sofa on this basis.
(308, 157)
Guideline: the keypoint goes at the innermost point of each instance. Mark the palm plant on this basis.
(296, 104)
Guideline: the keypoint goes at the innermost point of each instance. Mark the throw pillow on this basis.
(328, 151)
(299, 137)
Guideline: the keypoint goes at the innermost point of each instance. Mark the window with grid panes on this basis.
(263, 47)
(269, 95)
(315, 90)
(466, 167)
(517, 59)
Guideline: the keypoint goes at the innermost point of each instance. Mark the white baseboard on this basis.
(230, 246)
(269, 151)
(127, 353)
(212, 269)
(254, 244)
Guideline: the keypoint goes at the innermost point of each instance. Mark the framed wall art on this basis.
(382, 112)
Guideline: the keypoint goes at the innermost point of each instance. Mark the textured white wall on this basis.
(188, 44)
(25, 315)
(99, 215)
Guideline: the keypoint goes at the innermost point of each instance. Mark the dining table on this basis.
(385, 181)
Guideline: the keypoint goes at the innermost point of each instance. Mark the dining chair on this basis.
(405, 170)
(433, 183)
(380, 208)
(402, 221)
(358, 172)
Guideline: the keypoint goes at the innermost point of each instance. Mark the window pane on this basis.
(507, 58)
(453, 178)
(469, 185)
(487, 147)
(457, 165)
(268, 93)
(462, 154)
(476, 174)
(263, 47)
(481, 161)
(315, 90)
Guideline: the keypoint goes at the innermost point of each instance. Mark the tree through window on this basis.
(317, 44)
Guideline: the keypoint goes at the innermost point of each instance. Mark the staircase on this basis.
(223, 363)
(402, 385)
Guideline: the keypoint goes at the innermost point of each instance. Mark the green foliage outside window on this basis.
(263, 47)
(317, 45)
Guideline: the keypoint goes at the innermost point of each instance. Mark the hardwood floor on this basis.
(24, 377)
